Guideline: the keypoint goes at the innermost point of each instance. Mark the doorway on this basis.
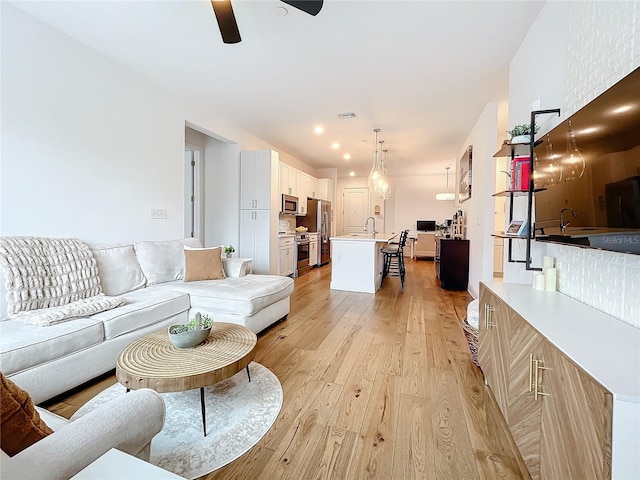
(355, 209)
(193, 190)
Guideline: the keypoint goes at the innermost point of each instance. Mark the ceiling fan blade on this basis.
(226, 21)
(312, 7)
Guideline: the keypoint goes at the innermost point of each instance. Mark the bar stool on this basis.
(393, 261)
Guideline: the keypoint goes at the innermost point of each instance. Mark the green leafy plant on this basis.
(199, 322)
(524, 129)
(228, 250)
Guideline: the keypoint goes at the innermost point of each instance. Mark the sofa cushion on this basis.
(237, 295)
(118, 269)
(144, 307)
(203, 264)
(20, 423)
(25, 346)
(163, 261)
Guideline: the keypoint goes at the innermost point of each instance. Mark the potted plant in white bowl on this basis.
(521, 133)
(191, 334)
(229, 251)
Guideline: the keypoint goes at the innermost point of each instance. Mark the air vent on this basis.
(346, 115)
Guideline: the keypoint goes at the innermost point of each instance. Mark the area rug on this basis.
(239, 414)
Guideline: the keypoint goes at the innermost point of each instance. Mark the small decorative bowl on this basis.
(183, 338)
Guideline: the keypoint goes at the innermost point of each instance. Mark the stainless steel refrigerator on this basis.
(318, 219)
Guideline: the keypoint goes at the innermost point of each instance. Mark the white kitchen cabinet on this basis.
(313, 187)
(256, 178)
(288, 180)
(286, 255)
(254, 238)
(302, 181)
(260, 208)
(313, 249)
(326, 190)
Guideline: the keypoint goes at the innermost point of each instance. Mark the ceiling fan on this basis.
(227, 20)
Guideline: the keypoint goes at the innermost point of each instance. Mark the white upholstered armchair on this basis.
(127, 423)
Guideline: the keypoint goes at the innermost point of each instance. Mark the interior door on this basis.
(355, 208)
(193, 188)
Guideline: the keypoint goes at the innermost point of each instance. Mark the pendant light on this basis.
(386, 187)
(449, 195)
(573, 162)
(376, 174)
(547, 172)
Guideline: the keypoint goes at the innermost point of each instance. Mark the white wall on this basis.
(414, 198)
(87, 148)
(90, 147)
(572, 53)
(479, 209)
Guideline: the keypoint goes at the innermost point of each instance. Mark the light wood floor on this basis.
(375, 386)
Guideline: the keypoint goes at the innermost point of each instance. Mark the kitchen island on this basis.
(357, 262)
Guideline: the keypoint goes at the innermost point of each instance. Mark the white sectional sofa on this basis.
(49, 360)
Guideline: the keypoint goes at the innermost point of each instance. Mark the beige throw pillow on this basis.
(203, 264)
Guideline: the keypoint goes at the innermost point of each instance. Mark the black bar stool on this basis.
(393, 261)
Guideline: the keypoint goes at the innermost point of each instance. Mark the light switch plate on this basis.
(158, 214)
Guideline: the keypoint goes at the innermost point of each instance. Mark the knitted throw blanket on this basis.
(50, 280)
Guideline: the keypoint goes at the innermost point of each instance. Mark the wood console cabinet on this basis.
(540, 364)
(452, 263)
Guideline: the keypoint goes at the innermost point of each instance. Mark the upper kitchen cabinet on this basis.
(288, 180)
(303, 180)
(258, 175)
(326, 189)
(313, 188)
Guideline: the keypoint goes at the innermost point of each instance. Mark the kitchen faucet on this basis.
(563, 226)
(366, 222)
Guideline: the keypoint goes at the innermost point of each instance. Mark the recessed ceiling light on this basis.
(346, 156)
(352, 173)
(335, 145)
(282, 11)
(319, 130)
(345, 115)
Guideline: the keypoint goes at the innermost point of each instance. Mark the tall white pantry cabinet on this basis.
(259, 209)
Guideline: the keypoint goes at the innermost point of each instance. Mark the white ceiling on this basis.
(421, 71)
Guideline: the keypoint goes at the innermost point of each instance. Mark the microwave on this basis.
(289, 204)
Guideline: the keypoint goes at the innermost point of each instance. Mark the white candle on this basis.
(548, 262)
(539, 282)
(550, 279)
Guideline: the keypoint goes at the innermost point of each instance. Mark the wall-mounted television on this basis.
(426, 225)
(588, 172)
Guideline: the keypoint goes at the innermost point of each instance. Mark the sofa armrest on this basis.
(237, 267)
(127, 423)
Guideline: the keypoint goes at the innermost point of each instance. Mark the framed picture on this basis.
(517, 228)
(464, 185)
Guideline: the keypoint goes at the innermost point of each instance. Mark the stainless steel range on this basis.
(302, 254)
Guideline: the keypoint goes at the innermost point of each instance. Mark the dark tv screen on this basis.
(426, 225)
(599, 189)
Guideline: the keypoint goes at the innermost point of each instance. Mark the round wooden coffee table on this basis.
(153, 362)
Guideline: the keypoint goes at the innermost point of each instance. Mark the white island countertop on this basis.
(357, 262)
(365, 237)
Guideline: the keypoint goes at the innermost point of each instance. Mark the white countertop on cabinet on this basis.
(605, 347)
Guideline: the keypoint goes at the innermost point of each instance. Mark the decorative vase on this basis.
(229, 255)
(521, 139)
(182, 337)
